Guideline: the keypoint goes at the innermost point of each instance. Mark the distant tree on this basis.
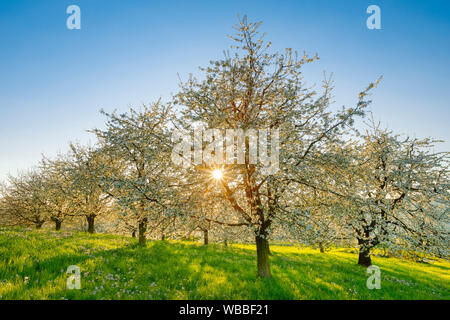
(57, 188)
(23, 199)
(87, 195)
(317, 220)
(209, 212)
(138, 174)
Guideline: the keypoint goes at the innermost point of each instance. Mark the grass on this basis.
(33, 265)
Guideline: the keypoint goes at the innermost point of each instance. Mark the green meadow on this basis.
(33, 265)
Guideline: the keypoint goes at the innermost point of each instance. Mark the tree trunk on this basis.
(39, 225)
(58, 225)
(364, 257)
(142, 231)
(90, 220)
(163, 237)
(225, 243)
(133, 234)
(321, 248)
(205, 237)
(262, 253)
(364, 251)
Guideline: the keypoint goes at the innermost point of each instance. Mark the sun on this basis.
(217, 174)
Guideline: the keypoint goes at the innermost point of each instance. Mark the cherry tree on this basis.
(57, 187)
(397, 193)
(87, 195)
(137, 170)
(23, 200)
(317, 220)
(250, 89)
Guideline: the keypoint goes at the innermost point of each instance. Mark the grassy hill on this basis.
(33, 265)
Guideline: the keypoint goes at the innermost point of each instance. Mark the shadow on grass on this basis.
(168, 270)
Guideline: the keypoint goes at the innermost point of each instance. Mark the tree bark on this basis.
(262, 253)
(163, 237)
(58, 225)
(205, 237)
(321, 248)
(142, 231)
(364, 258)
(90, 220)
(133, 234)
(39, 225)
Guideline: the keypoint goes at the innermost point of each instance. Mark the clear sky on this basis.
(53, 81)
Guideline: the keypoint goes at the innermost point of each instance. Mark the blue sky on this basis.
(53, 81)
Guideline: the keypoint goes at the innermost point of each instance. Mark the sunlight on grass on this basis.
(33, 265)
